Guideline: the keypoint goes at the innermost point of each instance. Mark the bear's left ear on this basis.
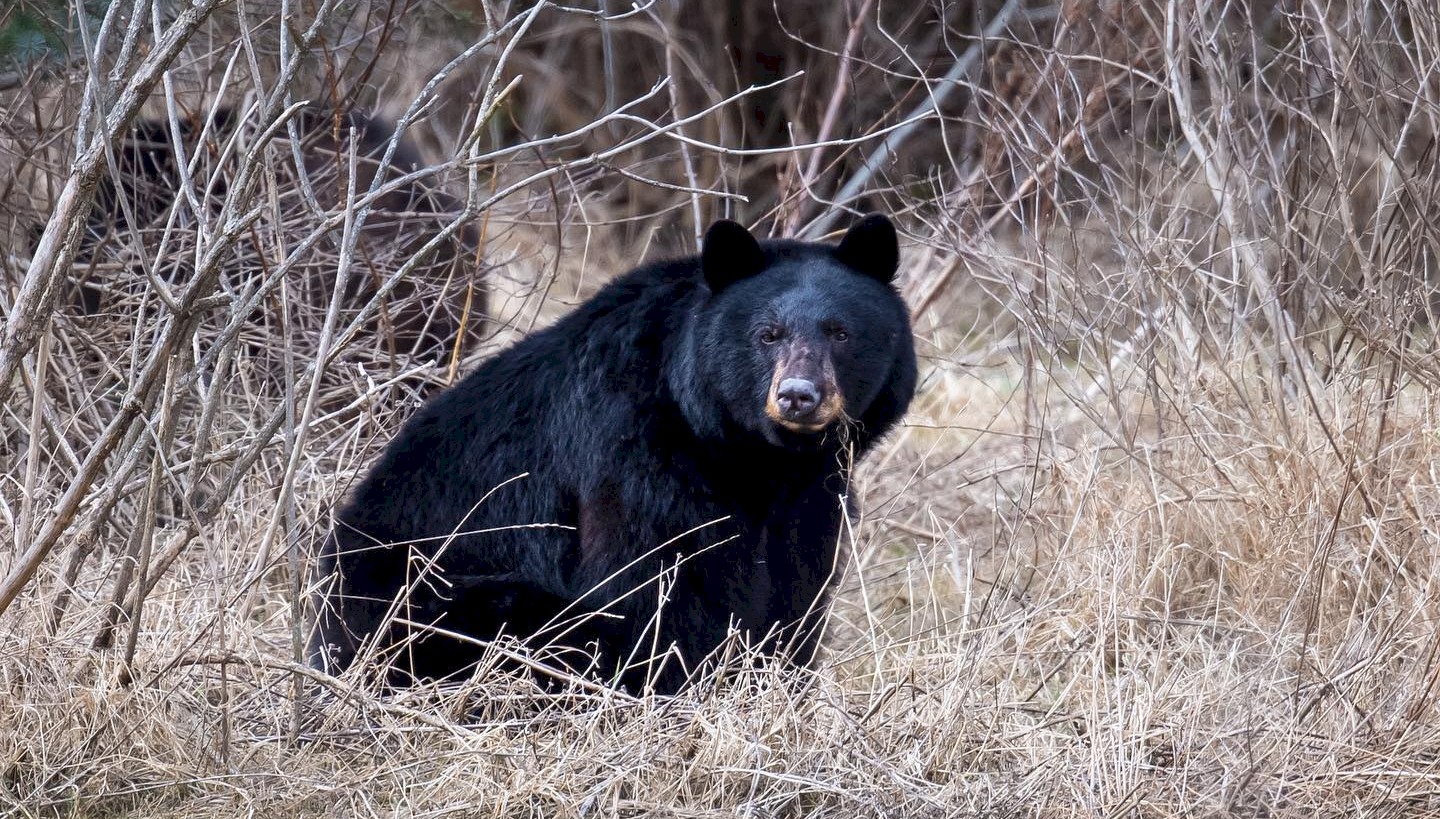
(871, 248)
(729, 254)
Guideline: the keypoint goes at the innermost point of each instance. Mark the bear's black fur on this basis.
(687, 434)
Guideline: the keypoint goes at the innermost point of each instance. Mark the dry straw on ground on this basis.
(1159, 538)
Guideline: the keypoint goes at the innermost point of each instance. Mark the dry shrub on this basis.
(1158, 539)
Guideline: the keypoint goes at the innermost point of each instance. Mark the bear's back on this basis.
(543, 409)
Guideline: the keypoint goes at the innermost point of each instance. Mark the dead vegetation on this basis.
(1159, 539)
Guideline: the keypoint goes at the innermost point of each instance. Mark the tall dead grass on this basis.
(1159, 537)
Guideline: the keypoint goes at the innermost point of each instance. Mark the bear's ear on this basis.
(729, 254)
(871, 248)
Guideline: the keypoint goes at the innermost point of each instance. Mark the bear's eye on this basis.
(839, 334)
(769, 335)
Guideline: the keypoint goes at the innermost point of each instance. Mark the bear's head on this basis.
(796, 341)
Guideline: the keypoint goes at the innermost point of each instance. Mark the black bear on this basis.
(665, 467)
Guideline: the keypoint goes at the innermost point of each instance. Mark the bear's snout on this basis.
(803, 394)
(798, 399)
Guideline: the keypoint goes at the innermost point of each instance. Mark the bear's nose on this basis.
(797, 398)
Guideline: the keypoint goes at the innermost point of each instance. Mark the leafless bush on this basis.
(1159, 538)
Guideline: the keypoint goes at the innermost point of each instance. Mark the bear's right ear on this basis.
(729, 254)
(872, 248)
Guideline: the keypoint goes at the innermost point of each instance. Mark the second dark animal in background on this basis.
(139, 208)
(663, 468)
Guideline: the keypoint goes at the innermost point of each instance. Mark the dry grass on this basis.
(1161, 536)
